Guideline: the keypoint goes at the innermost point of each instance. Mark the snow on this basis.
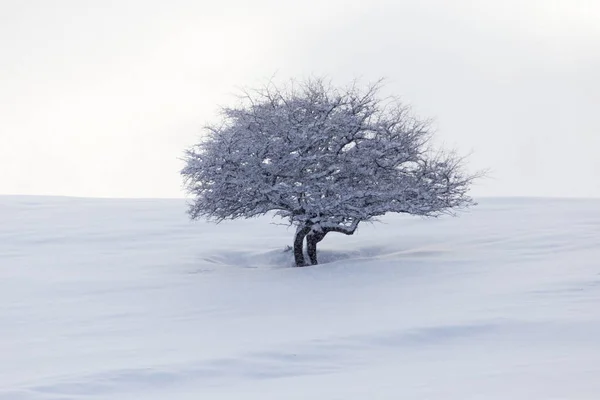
(127, 299)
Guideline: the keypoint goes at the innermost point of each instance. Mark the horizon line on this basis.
(524, 197)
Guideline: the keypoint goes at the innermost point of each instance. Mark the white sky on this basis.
(100, 98)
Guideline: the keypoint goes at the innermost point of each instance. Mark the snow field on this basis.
(126, 299)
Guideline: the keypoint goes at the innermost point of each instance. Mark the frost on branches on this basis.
(323, 158)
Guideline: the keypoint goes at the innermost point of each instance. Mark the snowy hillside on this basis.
(127, 299)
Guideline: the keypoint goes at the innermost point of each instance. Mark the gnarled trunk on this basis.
(315, 236)
(311, 245)
(301, 233)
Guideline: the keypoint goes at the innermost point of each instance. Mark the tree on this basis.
(323, 158)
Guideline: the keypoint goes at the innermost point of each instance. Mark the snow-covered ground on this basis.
(127, 299)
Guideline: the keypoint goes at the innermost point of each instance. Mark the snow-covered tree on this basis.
(323, 158)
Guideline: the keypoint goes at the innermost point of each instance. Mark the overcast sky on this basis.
(100, 98)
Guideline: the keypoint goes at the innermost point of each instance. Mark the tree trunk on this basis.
(301, 233)
(314, 237)
(311, 249)
(311, 245)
